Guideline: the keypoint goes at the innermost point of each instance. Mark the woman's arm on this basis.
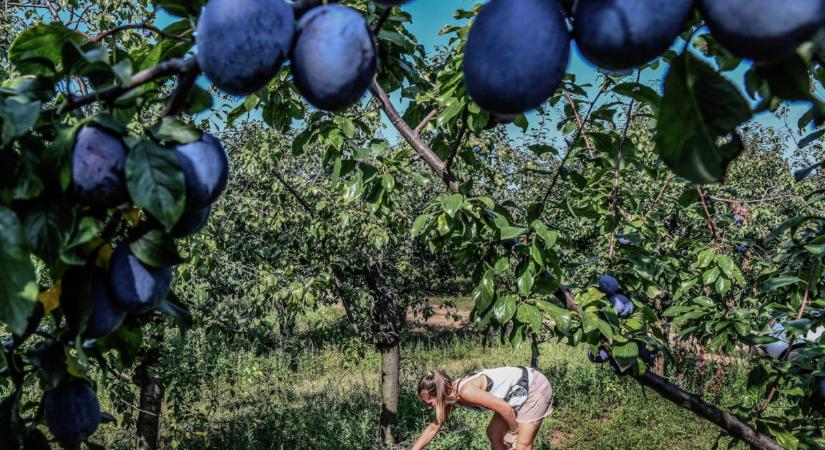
(476, 396)
(427, 436)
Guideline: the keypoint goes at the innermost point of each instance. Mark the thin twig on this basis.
(426, 120)
(133, 26)
(762, 200)
(185, 84)
(573, 143)
(580, 123)
(294, 193)
(711, 224)
(458, 140)
(658, 197)
(616, 171)
(382, 20)
(165, 69)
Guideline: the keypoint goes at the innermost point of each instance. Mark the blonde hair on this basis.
(440, 386)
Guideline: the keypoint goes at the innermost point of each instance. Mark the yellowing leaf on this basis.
(51, 298)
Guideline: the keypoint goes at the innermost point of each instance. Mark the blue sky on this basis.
(430, 16)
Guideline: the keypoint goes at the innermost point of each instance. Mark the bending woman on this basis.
(519, 397)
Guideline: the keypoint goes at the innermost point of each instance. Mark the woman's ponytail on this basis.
(439, 386)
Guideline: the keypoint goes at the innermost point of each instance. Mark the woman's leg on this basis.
(496, 431)
(527, 434)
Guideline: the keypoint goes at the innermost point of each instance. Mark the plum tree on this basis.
(334, 58)
(72, 411)
(205, 166)
(516, 54)
(87, 292)
(243, 43)
(763, 30)
(608, 284)
(98, 163)
(191, 222)
(136, 286)
(622, 34)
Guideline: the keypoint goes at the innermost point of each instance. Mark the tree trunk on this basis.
(534, 353)
(286, 329)
(151, 399)
(385, 330)
(390, 391)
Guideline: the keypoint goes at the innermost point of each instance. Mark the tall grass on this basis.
(251, 399)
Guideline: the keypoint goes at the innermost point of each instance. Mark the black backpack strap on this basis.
(524, 381)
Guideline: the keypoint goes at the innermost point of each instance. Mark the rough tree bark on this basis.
(385, 329)
(151, 398)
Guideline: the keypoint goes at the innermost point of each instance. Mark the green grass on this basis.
(253, 401)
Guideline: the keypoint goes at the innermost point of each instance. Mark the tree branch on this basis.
(414, 139)
(711, 225)
(572, 145)
(165, 69)
(294, 193)
(457, 144)
(134, 26)
(579, 122)
(730, 423)
(426, 120)
(616, 171)
(381, 20)
(185, 84)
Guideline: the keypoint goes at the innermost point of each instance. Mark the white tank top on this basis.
(499, 381)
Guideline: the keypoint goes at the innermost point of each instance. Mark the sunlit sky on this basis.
(430, 16)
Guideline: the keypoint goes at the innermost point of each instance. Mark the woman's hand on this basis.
(510, 438)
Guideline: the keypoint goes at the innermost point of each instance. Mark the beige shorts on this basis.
(539, 403)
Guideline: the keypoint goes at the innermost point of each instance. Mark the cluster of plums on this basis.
(129, 285)
(517, 50)
(242, 44)
(610, 286)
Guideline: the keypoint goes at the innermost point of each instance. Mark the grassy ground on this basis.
(332, 402)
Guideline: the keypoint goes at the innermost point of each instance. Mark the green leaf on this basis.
(170, 129)
(639, 92)
(698, 106)
(156, 248)
(625, 354)
(39, 50)
(705, 257)
(528, 313)
(487, 290)
(452, 204)
(18, 283)
(525, 279)
(180, 8)
(775, 283)
(726, 264)
(511, 232)
(420, 224)
(545, 233)
(155, 181)
(710, 276)
(722, 285)
(18, 114)
(504, 308)
(540, 149)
